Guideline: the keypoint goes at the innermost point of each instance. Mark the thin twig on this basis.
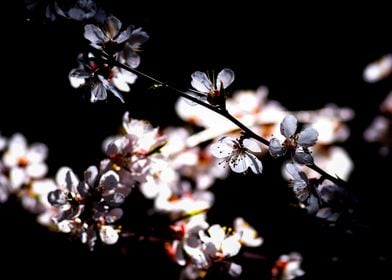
(218, 110)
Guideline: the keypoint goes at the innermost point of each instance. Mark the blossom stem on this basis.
(219, 110)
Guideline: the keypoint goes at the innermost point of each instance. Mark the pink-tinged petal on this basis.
(93, 34)
(226, 77)
(303, 157)
(377, 129)
(201, 82)
(308, 137)
(288, 126)
(276, 148)
(251, 145)
(254, 163)
(378, 70)
(113, 26)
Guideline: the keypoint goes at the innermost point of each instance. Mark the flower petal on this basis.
(108, 235)
(231, 246)
(93, 34)
(113, 26)
(98, 92)
(235, 270)
(288, 126)
(201, 82)
(220, 150)
(37, 152)
(36, 170)
(239, 163)
(303, 157)
(308, 137)
(276, 148)
(114, 215)
(124, 35)
(138, 37)
(109, 180)
(226, 77)
(17, 178)
(90, 175)
(251, 145)
(254, 163)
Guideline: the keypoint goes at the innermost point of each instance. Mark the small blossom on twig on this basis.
(238, 154)
(298, 142)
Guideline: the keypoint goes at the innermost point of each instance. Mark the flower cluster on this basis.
(97, 72)
(175, 168)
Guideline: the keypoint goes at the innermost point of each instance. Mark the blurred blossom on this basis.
(5, 187)
(34, 199)
(249, 236)
(250, 107)
(288, 267)
(75, 9)
(24, 162)
(386, 105)
(378, 70)
(334, 160)
(380, 129)
(330, 123)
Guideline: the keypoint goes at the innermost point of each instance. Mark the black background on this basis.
(306, 56)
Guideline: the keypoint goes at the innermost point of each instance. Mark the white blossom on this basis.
(299, 142)
(24, 162)
(238, 154)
